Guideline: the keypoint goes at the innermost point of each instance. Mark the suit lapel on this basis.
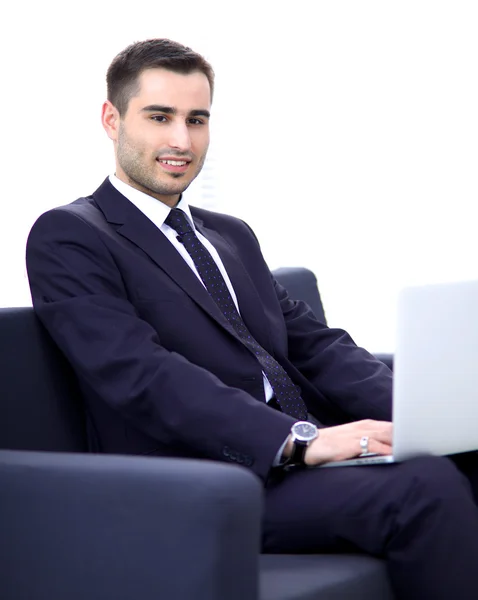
(133, 225)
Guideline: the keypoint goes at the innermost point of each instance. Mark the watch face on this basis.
(304, 431)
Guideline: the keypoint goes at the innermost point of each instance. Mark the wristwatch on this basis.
(302, 434)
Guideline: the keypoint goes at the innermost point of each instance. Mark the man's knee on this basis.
(433, 483)
(434, 512)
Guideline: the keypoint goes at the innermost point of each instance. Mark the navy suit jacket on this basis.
(161, 370)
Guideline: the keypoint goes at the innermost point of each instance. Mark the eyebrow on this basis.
(169, 110)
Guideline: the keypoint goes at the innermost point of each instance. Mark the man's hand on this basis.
(343, 441)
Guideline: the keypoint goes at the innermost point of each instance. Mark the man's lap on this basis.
(357, 508)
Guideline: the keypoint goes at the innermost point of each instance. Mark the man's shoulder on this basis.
(79, 222)
(219, 221)
(83, 210)
(86, 208)
(84, 205)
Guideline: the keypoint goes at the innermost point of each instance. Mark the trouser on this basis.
(419, 515)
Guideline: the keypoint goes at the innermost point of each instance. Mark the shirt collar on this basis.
(155, 210)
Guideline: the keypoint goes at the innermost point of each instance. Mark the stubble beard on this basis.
(134, 164)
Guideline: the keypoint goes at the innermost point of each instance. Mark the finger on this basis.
(379, 430)
(386, 437)
(378, 447)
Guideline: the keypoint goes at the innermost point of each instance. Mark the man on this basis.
(184, 345)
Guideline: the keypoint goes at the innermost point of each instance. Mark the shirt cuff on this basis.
(278, 459)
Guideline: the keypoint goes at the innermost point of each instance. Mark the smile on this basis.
(174, 163)
(173, 166)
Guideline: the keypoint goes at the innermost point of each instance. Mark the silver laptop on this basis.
(435, 387)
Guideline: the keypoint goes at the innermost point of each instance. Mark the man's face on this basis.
(162, 140)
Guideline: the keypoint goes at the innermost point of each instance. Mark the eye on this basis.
(194, 121)
(158, 118)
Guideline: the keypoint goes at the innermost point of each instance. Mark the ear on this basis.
(110, 119)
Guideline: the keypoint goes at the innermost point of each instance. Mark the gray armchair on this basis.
(77, 525)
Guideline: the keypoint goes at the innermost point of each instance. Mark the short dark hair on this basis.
(123, 73)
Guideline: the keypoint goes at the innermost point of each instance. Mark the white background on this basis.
(344, 132)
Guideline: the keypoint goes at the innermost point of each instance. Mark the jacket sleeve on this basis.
(79, 295)
(346, 374)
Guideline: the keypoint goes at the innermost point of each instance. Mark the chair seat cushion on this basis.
(323, 577)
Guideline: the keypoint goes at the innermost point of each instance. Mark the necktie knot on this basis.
(178, 221)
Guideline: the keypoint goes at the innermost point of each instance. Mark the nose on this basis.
(179, 137)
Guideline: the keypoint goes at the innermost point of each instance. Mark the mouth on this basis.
(173, 165)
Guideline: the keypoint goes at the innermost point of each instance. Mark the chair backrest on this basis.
(301, 284)
(40, 403)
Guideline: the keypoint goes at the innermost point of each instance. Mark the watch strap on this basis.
(296, 459)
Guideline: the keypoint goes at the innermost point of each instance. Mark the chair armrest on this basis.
(385, 358)
(82, 526)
